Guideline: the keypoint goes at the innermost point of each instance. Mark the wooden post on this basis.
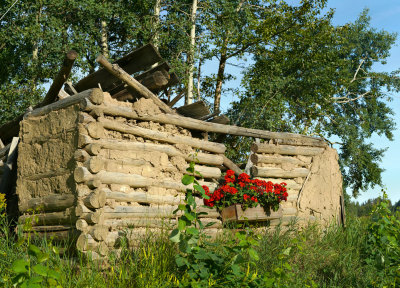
(61, 77)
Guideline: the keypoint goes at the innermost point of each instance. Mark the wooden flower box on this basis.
(235, 213)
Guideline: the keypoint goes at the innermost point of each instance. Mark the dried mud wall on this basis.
(313, 178)
(129, 174)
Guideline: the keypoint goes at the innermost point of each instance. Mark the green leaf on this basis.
(192, 231)
(36, 279)
(180, 261)
(187, 179)
(175, 236)
(34, 250)
(40, 269)
(181, 224)
(253, 254)
(42, 257)
(54, 274)
(200, 189)
(287, 251)
(20, 266)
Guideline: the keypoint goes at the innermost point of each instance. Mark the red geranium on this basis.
(247, 192)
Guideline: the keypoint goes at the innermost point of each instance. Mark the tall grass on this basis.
(317, 258)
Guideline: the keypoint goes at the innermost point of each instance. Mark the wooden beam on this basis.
(195, 124)
(230, 165)
(278, 172)
(118, 72)
(285, 149)
(61, 77)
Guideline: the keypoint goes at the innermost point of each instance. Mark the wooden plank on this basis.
(237, 214)
(195, 110)
(135, 61)
(259, 158)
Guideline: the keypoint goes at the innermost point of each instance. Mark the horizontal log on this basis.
(258, 159)
(208, 172)
(49, 203)
(82, 174)
(98, 232)
(55, 236)
(150, 212)
(93, 147)
(285, 149)
(47, 228)
(278, 172)
(94, 95)
(81, 209)
(85, 118)
(82, 225)
(144, 197)
(190, 123)
(96, 217)
(117, 224)
(54, 218)
(163, 136)
(96, 164)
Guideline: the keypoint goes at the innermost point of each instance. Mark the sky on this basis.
(384, 15)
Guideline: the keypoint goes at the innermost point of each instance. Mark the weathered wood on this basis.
(47, 228)
(166, 223)
(95, 200)
(135, 61)
(96, 164)
(93, 147)
(237, 214)
(98, 232)
(267, 159)
(54, 218)
(208, 172)
(49, 203)
(155, 81)
(1, 144)
(95, 130)
(94, 95)
(86, 242)
(118, 72)
(286, 149)
(85, 118)
(81, 209)
(230, 165)
(62, 95)
(150, 212)
(93, 217)
(56, 236)
(195, 110)
(291, 184)
(82, 174)
(61, 77)
(278, 172)
(144, 197)
(82, 225)
(190, 123)
(163, 136)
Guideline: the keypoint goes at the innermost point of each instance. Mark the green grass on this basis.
(317, 258)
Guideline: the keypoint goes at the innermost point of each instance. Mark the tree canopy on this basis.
(303, 73)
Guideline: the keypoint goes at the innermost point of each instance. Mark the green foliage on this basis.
(382, 247)
(318, 79)
(33, 271)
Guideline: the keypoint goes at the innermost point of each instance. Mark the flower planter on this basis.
(235, 213)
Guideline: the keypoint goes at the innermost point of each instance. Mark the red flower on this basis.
(246, 197)
(254, 199)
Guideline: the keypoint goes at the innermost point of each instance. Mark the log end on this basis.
(254, 147)
(72, 55)
(96, 96)
(254, 158)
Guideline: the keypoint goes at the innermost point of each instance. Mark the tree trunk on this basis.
(189, 97)
(220, 78)
(157, 8)
(104, 39)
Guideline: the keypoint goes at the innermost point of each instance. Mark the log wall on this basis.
(100, 171)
